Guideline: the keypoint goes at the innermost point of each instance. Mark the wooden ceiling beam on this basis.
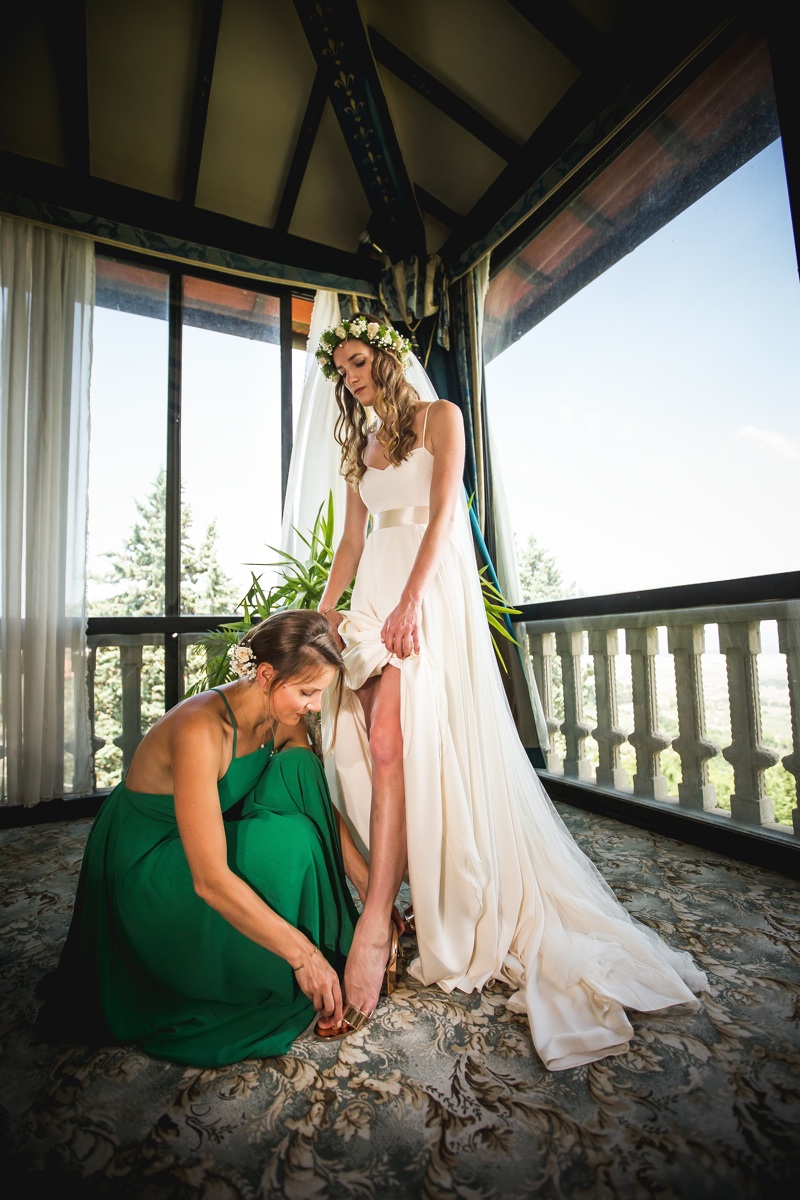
(66, 30)
(341, 48)
(206, 55)
(302, 151)
(565, 27)
(437, 208)
(436, 93)
(112, 212)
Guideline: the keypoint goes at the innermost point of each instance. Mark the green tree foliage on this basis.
(133, 585)
(540, 576)
(134, 582)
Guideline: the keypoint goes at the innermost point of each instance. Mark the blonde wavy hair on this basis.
(399, 402)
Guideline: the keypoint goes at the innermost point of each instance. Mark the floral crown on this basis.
(372, 332)
(243, 662)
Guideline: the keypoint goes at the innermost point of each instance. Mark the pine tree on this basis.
(134, 582)
(133, 586)
(540, 576)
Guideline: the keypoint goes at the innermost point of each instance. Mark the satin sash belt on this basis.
(416, 515)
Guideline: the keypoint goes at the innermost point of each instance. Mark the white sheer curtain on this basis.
(47, 289)
(314, 469)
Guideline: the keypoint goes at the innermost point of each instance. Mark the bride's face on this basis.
(353, 360)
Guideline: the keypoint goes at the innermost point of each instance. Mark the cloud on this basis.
(769, 441)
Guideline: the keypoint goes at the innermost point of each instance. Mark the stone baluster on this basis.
(740, 642)
(542, 649)
(574, 728)
(91, 668)
(130, 663)
(687, 645)
(183, 660)
(789, 644)
(604, 647)
(646, 739)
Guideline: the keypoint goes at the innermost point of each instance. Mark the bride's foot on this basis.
(353, 1017)
(370, 954)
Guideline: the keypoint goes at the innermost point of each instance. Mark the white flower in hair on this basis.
(372, 332)
(243, 662)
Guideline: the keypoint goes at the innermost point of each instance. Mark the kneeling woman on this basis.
(206, 941)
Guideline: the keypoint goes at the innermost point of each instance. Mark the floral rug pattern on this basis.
(440, 1096)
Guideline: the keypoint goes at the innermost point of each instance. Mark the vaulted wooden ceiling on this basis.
(303, 139)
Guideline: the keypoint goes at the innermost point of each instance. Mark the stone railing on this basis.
(571, 655)
(581, 654)
(127, 658)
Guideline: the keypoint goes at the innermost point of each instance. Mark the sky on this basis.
(230, 436)
(649, 430)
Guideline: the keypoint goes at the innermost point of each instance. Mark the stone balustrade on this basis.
(584, 653)
(130, 662)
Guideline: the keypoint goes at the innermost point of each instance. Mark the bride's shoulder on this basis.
(443, 426)
(443, 414)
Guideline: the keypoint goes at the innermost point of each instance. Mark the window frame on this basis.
(171, 623)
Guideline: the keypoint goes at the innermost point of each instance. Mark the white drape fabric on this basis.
(47, 288)
(314, 467)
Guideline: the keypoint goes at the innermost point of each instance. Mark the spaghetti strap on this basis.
(425, 425)
(233, 719)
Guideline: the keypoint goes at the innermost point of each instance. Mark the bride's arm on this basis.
(446, 432)
(347, 556)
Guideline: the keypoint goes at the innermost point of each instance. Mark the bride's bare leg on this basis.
(366, 961)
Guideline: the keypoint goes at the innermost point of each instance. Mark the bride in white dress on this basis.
(430, 770)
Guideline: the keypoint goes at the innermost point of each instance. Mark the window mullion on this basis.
(172, 542)
(286, 390)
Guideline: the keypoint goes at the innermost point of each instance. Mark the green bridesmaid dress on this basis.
(147, 961)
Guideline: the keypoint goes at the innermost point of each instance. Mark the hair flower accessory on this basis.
(243, 662)
(359, 329)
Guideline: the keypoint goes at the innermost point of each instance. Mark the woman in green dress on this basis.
(202, 940)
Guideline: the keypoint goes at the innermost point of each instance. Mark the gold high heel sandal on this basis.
(353, 1019)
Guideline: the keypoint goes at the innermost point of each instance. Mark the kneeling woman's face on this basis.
(292, 699)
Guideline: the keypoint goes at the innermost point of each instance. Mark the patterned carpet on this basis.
(441, 1096)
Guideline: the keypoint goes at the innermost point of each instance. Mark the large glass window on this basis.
(643, 388)
(644, 365)
(130, 351)
(230, 441)
(190, 379)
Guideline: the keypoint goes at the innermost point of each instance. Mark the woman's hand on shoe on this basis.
(317, 979)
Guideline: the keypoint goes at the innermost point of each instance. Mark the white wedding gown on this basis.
(500, 890)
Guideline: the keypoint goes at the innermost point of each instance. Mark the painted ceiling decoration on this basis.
(319, 142)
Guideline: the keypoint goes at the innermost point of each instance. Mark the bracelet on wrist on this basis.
(325, 611)
(311, 955)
